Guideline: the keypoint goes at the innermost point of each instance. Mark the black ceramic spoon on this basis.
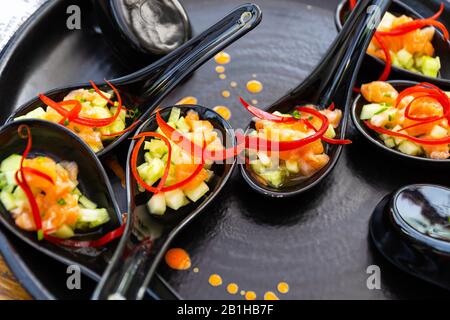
(147, 236)
(142, 31)
(331, 81)
(61, 144)
(373, 137)
(411, 229)
(442, 47)
(145, 89)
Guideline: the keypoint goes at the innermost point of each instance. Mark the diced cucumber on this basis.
(38, 113)
(330, 133)
(157, 204)
(117, 126)
(264, 158)
(92, 218)
(369, 110)
(153, 171)
(389, 142)
(19, 194)
(88, 204)
(405, 58)
(292, 166)
(174, 115)
(398, 140)
(175, 199)
(274, 178)
(156, 147)
(8, 200)
(438, 132)
(210, 175)
(3, 181)
(196, 193)
(431, 66)
(122, 115)
(77, 192)
(182, 125)
(12, 163)
(410, 148)
(64, 232)
(258, 167)
(148, 157)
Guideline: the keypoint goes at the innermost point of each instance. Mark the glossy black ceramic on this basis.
(406, 246)
(148, 237)
(442, 47)
(143, 90)
(142, 31)
(317, 241)
(331, 82)
(372, 136)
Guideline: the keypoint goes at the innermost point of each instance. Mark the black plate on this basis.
(318, 241)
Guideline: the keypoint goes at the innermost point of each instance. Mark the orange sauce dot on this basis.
(226, 93)
(233, 84)
(222, 58)
(223, 111)
(232, 288)
(254, 86)
(242, 292)
(283, 287)
(250, 295)
(220, 69)
(222, 76)
(188, 100)
(178, 259)
(215, 280)
(269, 295)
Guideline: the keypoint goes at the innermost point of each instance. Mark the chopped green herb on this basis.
(296, 114)
(387, 95)
(83, 100)
(310, 118)
(91, 90)
(62, 202)
(66, 122)
(76, 129)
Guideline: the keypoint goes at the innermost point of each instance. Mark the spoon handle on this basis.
(153, 83)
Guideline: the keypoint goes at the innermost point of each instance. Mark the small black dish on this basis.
(372, 136)
(144, 90)
(411, 229)
(442, 47)
(147, 237)
(143, 31)
(331, 81)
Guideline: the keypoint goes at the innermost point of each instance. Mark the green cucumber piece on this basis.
(182, 125)
(196, 193)
(274, 178)
(174, 115)
(157, 204)
(405, 59)
(156, 147)
(175, 199)
(369, 110)
(64, 232)
(92, 218)
(8, 200)
(38, 113)
(330, 133)
(431, 66)
(410, 148)
(292, 166)
(390, 143)
(88, 204)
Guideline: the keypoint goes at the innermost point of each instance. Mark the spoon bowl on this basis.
(331, 81)
(442, 47)
(372, 136)
(142, 31)
(145, 89)
(147, 237)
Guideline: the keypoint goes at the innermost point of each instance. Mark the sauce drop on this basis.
(220, 69)
(283, 287)
(178, 259)
(254, 86)
(222, 58)
(232, 288)
(233, 84)
(196, 270)
(226, 93)
(215, 280)
(223, 111)
(250, 295)
(269, 295)
(222, 76)
(254, 101)
(188, 100)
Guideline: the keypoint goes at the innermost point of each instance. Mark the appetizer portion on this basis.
(411, 50)
(63, 208)
(294, 143)
(90, 113)
(414, 121)
(175, 174)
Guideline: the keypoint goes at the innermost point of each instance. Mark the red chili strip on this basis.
(352, 4)
(328, 140)
(265, 115)
(388, 64)
(38, 173)
(414, 25)
(408, 137)
(134, 158)
(22, 182)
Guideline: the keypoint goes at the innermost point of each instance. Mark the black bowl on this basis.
(442, 47)
(372, 136)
